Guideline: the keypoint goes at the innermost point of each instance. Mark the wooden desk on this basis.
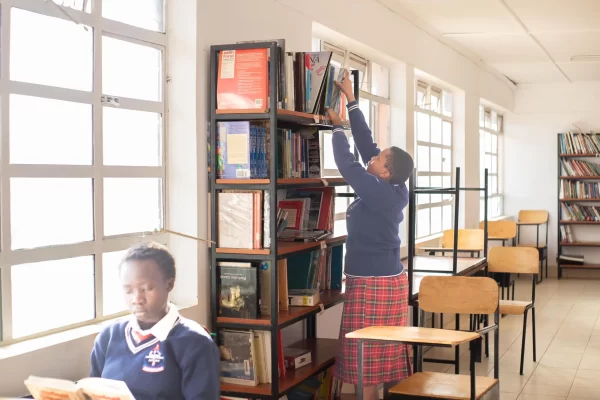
(433, 250)
(443, 266)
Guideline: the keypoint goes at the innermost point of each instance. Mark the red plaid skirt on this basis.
(374, 301)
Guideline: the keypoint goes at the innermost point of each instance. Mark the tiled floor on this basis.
(568, 344)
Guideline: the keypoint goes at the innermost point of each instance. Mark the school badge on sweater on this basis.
(154, 361)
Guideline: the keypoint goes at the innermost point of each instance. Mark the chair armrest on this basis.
(414, 335)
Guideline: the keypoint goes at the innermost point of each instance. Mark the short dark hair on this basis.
(155, 252)
(400, 164)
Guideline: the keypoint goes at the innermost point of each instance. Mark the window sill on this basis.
(31, 345)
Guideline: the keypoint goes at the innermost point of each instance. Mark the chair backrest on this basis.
(502, 229)
(517, 260)
(533, 216)
(458, 295)
(467, 239)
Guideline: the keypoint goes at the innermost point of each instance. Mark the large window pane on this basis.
(113, 301)
(50, 211)
(422, 182)
(447, 104)
(76, 4)
(447, 182)
(436, 130)
(436, 220)
(51, 51)
(131, 70)
(447, 133)
(132, 205)
(381, 80)
(436, 159)
(423, 223)
(46, 131)
(131, 137)
(422, 127)
(423, 158)
(436, 182)
(447, 217)
(147, 14)
(51, 294)
(446, 160)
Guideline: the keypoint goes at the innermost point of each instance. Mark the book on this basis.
(296, 358)
(242, 81)
(85, 389)
(303, 297)
(237, 357)
(264, 271)
(240, 223)
(238, 287)
(571, 259)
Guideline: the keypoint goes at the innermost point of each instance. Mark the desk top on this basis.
(464, 267)
(413, 335)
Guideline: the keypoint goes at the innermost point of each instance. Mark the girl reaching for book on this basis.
(156, 352)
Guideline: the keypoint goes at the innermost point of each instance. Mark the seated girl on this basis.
(156, 352)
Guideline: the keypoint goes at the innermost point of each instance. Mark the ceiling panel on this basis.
(562, 46)
(581, 71)
(530, 72)
(502, 48)
(460, 16)
(557, 15)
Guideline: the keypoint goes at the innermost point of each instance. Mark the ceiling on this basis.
(528, 41)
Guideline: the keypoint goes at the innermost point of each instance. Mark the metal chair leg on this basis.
(513, 290)
(523, 342)
(533, 332)
(487, 337)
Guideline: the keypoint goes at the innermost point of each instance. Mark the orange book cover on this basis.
(243, 82)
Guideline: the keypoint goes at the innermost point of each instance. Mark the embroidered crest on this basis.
(154, 361)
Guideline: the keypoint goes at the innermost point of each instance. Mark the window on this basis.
(83, 170)
(433, 134)
(490, 142)
(374, 83)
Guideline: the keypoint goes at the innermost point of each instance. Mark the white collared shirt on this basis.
(162, 328)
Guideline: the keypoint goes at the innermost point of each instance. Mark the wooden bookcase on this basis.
(562, 243)
(323, 350)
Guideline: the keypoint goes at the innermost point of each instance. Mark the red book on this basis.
(295, 211)
(242, 82)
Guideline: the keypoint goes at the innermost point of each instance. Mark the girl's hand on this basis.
(346, 86)
(334, 117)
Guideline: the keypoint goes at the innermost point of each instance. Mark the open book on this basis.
(85, 389)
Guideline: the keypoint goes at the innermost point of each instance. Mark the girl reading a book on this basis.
(376, 287)
(156, 352)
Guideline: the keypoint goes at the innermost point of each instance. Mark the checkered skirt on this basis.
(374, 301)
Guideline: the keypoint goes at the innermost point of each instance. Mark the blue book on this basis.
(234, 150)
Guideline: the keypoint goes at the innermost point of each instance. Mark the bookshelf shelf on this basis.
(579, 178)
(255, 215)
(329, 298)
(323, 356)
(580, 222)
(580, 266)
(577, 200)
(580, 244)
(565, 155)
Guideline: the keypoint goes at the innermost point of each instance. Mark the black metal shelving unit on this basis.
(323, 350)
(561, 244)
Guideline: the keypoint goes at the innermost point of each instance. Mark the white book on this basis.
(87, 388)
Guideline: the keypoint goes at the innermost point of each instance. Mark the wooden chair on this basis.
(469, 241)
(521, 260)
(442, 294)
(535, 218)
(503, 231)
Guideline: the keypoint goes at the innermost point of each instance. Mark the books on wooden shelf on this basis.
(576, 212)
(308, 209)
(297, 156)
(579, 190)
(580, 168)
(242, 150)
(571, 259)
(579, 143)
(566, 236)
(241, 223)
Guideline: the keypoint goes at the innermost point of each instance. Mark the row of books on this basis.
(579, 143)
(305, 81)
(243, 152)
(245, 288)
(579, 190)
(244, 215)
(571, 259)
(566, 235)
(580, 168)
(576, 212)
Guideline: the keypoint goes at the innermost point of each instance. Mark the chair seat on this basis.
(443, 386)
(540, 246)
(513, 307)
(414, 335)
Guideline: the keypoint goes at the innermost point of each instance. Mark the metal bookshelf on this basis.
(323, 350)
(561, 243)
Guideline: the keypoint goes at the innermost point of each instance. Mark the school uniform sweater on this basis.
(174, 360)
(373, 219)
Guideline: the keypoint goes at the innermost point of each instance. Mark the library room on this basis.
(300, 200)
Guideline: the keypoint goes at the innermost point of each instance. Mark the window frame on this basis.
(352, 60)
(96, 172)
(484, 111)
(426, 89)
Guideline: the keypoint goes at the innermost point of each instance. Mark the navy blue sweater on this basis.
(373, 219)
(184, 366)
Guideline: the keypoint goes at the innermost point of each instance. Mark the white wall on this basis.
(194, 27)
(530, 143)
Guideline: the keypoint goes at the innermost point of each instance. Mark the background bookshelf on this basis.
(578, 197)
(278, 253)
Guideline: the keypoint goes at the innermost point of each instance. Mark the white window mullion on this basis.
(49, 92)
(5, 241)
(148, 37)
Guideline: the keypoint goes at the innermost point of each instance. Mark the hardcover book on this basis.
(237, 357)
(238, 288)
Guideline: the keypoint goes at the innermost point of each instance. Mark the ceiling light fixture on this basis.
(589, 58)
